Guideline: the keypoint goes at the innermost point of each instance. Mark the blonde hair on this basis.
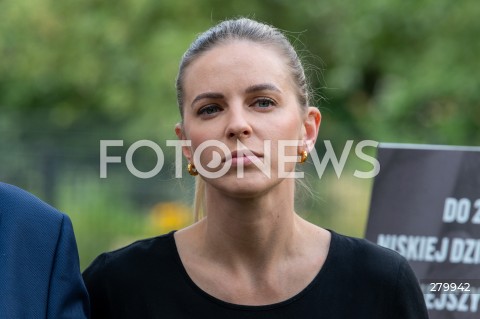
(199, 210)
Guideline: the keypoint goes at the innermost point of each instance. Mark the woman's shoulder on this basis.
(137, 255)
(373, 266)
(358, 266)
(365, 256)
(363, 246)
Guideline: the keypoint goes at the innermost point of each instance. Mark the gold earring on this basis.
(303, 156)
(192, 170)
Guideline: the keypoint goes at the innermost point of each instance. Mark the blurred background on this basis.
(73, 73)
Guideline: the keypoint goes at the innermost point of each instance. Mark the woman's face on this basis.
(242, 92)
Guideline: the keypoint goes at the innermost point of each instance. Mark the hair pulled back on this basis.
(251, 30)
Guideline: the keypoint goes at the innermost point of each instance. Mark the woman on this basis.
(241, 84)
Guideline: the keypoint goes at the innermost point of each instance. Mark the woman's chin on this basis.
(251, 185)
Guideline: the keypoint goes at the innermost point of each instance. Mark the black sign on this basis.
(426, 205)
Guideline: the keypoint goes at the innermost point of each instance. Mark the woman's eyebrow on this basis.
(207, 95)
(250, 89)
(262, 87)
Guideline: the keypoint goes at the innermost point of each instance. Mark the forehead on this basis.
(236, 64)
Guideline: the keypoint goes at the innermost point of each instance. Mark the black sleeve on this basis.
(409, 301)
(95, 281)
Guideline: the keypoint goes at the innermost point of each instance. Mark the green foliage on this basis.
(102, 221)
(95, 65)
(76, 72)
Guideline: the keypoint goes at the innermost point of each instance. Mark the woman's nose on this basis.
(238, 125)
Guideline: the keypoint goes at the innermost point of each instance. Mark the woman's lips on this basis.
(245, 157)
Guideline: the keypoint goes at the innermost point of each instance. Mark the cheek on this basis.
(288, 129)
(205, 151)
(194, 132)
(289, 133)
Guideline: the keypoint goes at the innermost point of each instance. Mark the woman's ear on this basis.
(186, 150)
(311, 126)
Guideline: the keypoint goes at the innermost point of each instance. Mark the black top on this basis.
(358, 280)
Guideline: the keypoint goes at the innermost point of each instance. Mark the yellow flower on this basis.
(169, 216)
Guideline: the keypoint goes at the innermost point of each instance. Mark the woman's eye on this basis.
(264, 103)
(209, 110)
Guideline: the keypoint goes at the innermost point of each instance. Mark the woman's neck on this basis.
(252, 251)
(257, 229)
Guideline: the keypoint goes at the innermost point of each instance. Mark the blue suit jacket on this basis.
(39, 267)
